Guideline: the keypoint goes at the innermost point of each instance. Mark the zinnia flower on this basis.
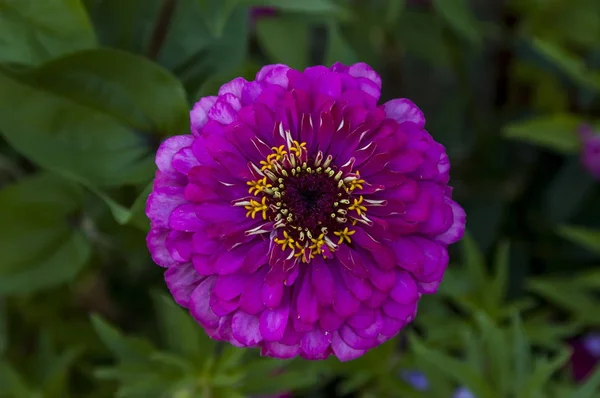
(590, 151)
(301, 217)
(585, 356)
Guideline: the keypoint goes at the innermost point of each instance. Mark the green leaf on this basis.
(585, 237)
(573, 67)
(127, 349)
(69, 137)
(276, 36)
(542, 372)
(556, 132)
(312, 6)
(474, 262)
(498, 351)
(40, 249)
(422, 35)
(521, 353)
(193, 51)
(3, 328)
(457, 370)
(394, 9)
(458, 15)
(12, 382)
(130, 88)
(32, 32)
(182, 335)
(56, 268)
(497, 288)
(569, 296)
(590, 387)
(338, 49)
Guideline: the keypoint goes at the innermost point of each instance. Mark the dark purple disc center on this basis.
(311, 198)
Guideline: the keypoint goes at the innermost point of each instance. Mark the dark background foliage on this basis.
(89, 88)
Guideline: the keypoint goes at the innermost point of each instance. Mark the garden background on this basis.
(89, 88)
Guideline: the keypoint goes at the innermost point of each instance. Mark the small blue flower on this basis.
(416, 379)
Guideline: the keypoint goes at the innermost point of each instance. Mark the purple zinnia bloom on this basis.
(590, 151)
(301, 217)
(585, 356)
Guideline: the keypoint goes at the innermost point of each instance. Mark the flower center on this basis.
(310, 202)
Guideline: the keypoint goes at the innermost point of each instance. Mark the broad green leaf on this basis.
(556, 132)
(40, 248)
(130, 88)
(458, 15)
(72, 138)
(574, 68)
(57, 267)
(135, 215)
(585, 237)
(181, 334)
(338, 49)
(542, 372)
(194, 53)
(276, 36)
(454, 368)
(127, 349)
(126, 25)
(33, 31)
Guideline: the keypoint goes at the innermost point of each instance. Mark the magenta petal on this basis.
(246, 329)
(342, 350)
(315, 344)
(168, 149)
(355, 341)
(273, 323)
(457, 229)
(199, 304)
(184, 218)
(307, 305)
(272, 294)
(181, 280)
(403, 110)
(278, 350)
(199, 113)
(329, 320)
(251, 301)
(156, 241)
(323, 282)
(405, 290)
(229, 287)
(161, 203)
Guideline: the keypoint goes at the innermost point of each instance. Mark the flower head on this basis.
(585, 356)
(301, 217)
(590, 152)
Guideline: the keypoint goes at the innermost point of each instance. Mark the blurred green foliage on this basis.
(88, 88)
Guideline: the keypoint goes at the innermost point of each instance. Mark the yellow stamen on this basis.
(257, 207)
(318, 243)
(345, 234)
(358, 206)
(258, 186)
(286, 241)
(297, 147)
